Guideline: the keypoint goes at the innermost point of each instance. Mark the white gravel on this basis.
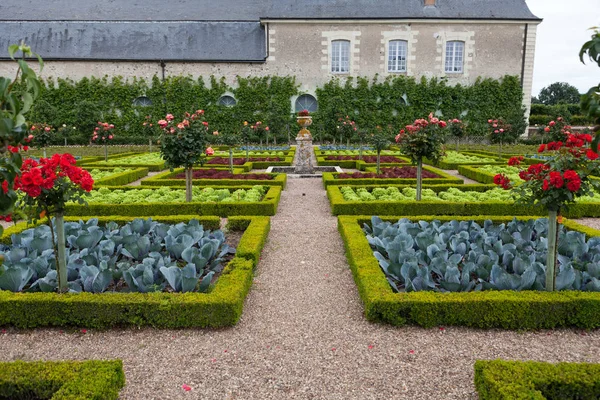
(302, 334)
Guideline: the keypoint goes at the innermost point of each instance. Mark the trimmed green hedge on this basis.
(521, 380)
(86, 161)
(250, 165)
(268, 206)
(450, 165)
(339, 206)
(329, 178)
(61, 380)
(165, 179)
(122, 178)
(359, 164)
(489, 309)
(220, 307)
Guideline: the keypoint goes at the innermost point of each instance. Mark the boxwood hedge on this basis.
(167, 179)
(330, 178)
(489, 309)
(123, 178)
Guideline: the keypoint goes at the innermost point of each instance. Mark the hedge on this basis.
(86, 161)
(454, 165)
(360, 164)
(329, 178)
(122, 178)
(268, 206)
(490, 309)
(521, 380)
(164, 179)
(61, 380)
(339, 206)
(222, 306)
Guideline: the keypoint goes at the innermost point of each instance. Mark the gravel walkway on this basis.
(139, 181)
(302, 334)
(455, 173)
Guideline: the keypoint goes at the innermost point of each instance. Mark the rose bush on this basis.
(42, 136)
(103, 134)
(346, 128)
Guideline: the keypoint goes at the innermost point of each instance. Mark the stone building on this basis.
(313, 40)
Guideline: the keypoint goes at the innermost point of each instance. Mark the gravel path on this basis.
(302, 334)
(139, 181)
(455, 173)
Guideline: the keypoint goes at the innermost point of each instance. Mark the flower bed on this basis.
(368, 159)
(371, 179)
(485, 174)
(254, 163)
(219, 177)
(389, 173)
(441, 200)
(222, 201)
(61, 380)
(222, 306)
(509, 380)
(117, 176)
(487, 309)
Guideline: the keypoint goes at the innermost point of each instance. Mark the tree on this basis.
(590, 102)
(559, 92)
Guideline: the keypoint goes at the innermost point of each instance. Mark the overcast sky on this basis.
(559, 39)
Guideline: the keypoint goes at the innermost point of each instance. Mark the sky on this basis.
(559, 39)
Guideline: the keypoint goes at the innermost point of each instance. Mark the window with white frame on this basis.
(454, 56)
(397, 55)
(340, 56)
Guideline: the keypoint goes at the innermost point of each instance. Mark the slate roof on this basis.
(201, 30)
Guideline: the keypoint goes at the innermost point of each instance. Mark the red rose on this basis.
(571, 175)
(541, 148)
(546, 185)
(574, 185)
(546, 129)
(556, 179)
(591, 154)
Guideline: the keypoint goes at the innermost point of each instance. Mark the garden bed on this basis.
(117, 176)
(487, 309)
(60, 380)
(453, 159)
(216, 177)
(352, 162)
(253, 163)
(373, 179)
(164, 200)
(509, 380)
(152, 161)
(221, 306)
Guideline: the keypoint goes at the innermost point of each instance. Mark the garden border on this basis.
(62, 380)
(164, 179)
(514, 380)
(500, 309)
(329, 178)
(220, 307)
(121, 178)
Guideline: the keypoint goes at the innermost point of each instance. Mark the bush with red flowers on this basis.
(183, 144)
(423, 139)
(557, 183)
(42, 135)
(48, 186)
(557, 131)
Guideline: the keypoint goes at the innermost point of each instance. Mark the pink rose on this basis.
(443, 124)
(169, 117)
(552, 123)
(210, 151)
(110, 137)
(162, 123)
(47, 129)
(180, 126)
(267, 128)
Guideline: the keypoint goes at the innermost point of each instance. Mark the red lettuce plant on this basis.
(48, 186)
(555, 184)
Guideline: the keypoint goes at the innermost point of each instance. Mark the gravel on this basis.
(455, 173)
(302, 334)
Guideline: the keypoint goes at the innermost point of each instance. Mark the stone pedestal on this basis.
(304, 150)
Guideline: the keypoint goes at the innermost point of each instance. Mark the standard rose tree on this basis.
(183, 144)
(103, 134)
(48, 186)
(380, 140)
(457, 130)
(229, 139)
(554, 185)
(423, 139)
(42, 136)
(346, 128)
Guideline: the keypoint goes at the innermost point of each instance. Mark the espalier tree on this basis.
(183, 144)
(380, 140)
(14, 105)
(423, 139)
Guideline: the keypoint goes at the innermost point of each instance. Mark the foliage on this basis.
(42, 134)
(462, 256)
(559, 92)
(557, 131)
(168, 195)
(346, 128)
(399, 100)
(182, 144)
(590, 102)
(502, 132)
(17, 96)
(103, 132)
(456, 128)
(423, 139)
(143, 254)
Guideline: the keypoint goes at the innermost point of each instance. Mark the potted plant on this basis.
(304, 119)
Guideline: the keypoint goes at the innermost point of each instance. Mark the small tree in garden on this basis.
(246, 136)
(558, 130)
(229, 139)
(457, 130)
(48, 186)
(346, 128)
(554, 185)
(380, 140)
(423, 139)
(102, 134)
(150, 130)
(501, 132)
(590, 102)
(361, 136)
(65, 131)
(42, 136)
(183, 144)
(261, 130)
(14, 134)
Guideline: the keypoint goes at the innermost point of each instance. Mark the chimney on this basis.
(429, 3)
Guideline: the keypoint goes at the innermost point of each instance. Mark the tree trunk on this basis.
(360, 151)
(247, 151)
(61, 253)
(378, 163)
(348, 143)
(231, 159)
(457, 143)
(105, 153)
(44, 150)
(65, 142)
(150, 144)
(419, 180)
(188, 184)
(267, 138)
(552, 247)
(500, 150)
(274, 140)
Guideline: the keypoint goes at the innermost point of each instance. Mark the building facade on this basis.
(313, 40)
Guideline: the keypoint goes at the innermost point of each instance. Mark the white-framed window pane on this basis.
(397, 50)
(340, 56)
(454, 57)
